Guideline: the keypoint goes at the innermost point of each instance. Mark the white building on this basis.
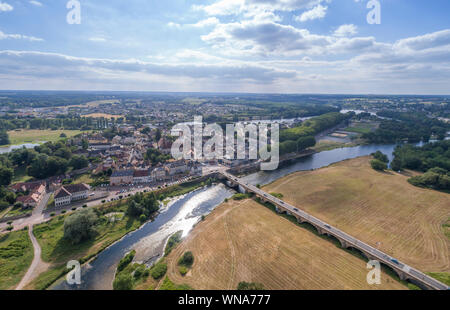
(71, 193)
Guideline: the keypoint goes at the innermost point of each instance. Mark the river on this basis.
(184, 212)
(8, 149)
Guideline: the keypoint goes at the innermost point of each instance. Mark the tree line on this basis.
(432, 158)
(406, 126)
(302, 137)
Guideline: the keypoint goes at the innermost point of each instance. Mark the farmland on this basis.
(104, 115)
(245, 241)
(36, 135)
(381, 209)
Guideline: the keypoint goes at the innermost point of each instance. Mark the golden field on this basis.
(381, 209)
(245, 241)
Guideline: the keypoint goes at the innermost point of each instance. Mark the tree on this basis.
(145, 131)
(80, 226)
(4, 138)
(305, 142)
(381, 157)
(6, 175)
(252, 286)
(123, 282)
(79, 162)
(396, 164)
(158, 134)
(378, 165)
(84, 144)
(187, 259)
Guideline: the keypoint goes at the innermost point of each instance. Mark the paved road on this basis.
(412, 273)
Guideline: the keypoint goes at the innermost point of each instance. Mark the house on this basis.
(71, 193)
(120, 177)
(142, 176)
(178, 167)
(165, 145)
(31, 187)
(29, 200)
(34, 192)
(158, 174)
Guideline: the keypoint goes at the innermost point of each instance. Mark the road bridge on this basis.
(404, 271)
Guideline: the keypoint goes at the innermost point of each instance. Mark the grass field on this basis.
(381, 209)
(16, 254)
(362, 128)
(246, 241)
(57, 251)
(35, 135)
(104, 115)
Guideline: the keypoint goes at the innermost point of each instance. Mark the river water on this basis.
(8, 149)
(184, 212)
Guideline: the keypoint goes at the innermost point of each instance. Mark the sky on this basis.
(251, 46)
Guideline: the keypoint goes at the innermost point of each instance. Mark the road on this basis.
(37, 265)
(376, 254)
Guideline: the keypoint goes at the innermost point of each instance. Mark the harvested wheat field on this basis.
(245, 241)
(381, 209)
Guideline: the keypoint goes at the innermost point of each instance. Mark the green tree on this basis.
(123, 282)
(381, 157)
(378, 165)
(4, 138)
(80, 226)
(79, 162)
(6, 175)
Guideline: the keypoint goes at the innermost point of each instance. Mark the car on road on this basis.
(295, 209)
(395, 261)
(327, 226)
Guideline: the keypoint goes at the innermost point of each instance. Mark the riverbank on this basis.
(57, 252)
(184, 213)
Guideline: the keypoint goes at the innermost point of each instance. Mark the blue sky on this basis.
(282, 46)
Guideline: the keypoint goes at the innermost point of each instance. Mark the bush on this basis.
(63, 211)
(183, 270)
(80, 226)
(74, 209)
(139, 272)
(84, 206)
(250, 286)
(159, 270)
(142, 218)
(52, 214)
(378, 165)
(124, 262)
(186, 260)
(381, 157)
(123, 282)
(9, 228)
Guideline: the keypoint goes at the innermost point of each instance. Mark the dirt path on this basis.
(37, 266)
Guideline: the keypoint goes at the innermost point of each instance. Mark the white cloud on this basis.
(5, 7)
(427, 41)
(317, 12)
(4, 36)
(346, 30)
(36, 3)
(97, 39)
(42, 65)
(235, 7)
(206, 22)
